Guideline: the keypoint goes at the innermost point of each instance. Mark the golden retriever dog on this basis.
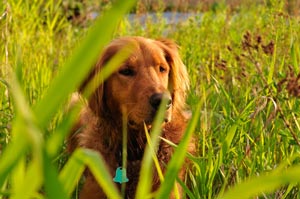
(152, 72)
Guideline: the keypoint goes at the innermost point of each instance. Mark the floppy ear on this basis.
(96, 99)
(179, 80)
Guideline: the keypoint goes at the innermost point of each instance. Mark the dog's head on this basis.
(152, 71)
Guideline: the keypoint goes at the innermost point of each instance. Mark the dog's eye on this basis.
(162, 69)
(127, 72)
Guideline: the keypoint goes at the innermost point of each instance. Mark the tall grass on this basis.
(21, 178)
(243, 66)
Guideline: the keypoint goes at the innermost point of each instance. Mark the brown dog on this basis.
(152, 72)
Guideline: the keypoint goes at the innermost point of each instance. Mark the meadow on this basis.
(243, 64)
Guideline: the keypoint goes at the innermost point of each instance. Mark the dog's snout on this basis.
(157, 98)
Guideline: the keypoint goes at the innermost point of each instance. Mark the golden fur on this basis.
(153, 71)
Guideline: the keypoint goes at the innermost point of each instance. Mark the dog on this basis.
(153, 72)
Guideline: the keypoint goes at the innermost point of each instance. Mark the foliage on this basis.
(244, 71)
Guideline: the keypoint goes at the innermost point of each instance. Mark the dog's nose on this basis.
(156, 99)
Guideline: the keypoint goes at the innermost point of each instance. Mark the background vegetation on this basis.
(243, 60)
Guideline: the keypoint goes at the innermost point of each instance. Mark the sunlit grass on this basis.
(29, 126)
(243, 67)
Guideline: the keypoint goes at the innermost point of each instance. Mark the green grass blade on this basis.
(34, 176)
(11, 156)
(263, 184)
(154, 157)
(57, 138)
(53, 186)
(144, 185)
(18, 175)
(227, 97)
(294, 53)
(178, 156)
(98, 167)
(189, 193)
(74, 168)
(229, 137)
(72, 171)
(25, 134)
(272, 66)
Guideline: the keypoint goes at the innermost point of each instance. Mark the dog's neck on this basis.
(136, 139)
(136, 144)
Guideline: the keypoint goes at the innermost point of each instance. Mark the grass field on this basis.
(245, 87)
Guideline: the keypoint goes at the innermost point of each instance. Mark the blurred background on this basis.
(81, 9)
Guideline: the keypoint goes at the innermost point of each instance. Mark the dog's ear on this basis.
(179, 80)
(95, 83)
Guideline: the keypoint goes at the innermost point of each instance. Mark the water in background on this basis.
(169, 17)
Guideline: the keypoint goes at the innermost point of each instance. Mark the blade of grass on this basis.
(294, 53)
(227, 96)
(34, 170)
(57, 138)
(154, 157)
(229, 137)
(72, 171)
(272, 66)
(74, 168)
(144, 187)
(124, 150)
(98, 167)
(186, 189)
(18, 175)
(25, 134)
(190, 156)
(34, 176)
(179, 155)
(53, 186)
(10, 157)
(263, 184)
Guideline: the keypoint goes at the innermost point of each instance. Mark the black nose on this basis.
(156, 99)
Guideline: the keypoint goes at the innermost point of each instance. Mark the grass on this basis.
(243, 65)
